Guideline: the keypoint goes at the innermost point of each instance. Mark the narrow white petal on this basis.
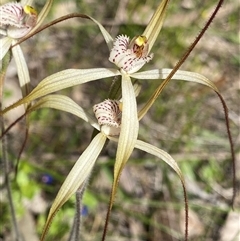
(128, 134)
(80, 171)
(64, 103)
(154, 26)
(179, 75)
(22, 69)
(77, 176)
(44, 12)
(70, 77)
(5, 44)
(172, 163)
(141, 145)
(153, 150)
(62, 80)
(129, 125)
(108, 38)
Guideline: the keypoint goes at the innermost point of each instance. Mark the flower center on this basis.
(139, 46)
(130, 56)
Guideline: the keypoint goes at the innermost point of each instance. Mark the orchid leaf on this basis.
(22, 69)
(76, 178)
(5, 44)
(154, 26)
(62, 80)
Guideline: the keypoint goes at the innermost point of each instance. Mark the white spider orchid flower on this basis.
(17, 20)
(108, 115)
(130, 56)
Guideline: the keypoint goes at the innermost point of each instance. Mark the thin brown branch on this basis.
(21, 151)
(58, 20)
(108, 214)
(231, 145)
(189, 50)
(5, 131)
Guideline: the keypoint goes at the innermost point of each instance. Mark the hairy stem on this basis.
(112, 195)
(5, 131)
(58, 20)
(75, 231)
(21, 151)
(5, 162)
(182, 60)
(231, 145)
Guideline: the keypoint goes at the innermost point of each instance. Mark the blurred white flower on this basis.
(16, 20)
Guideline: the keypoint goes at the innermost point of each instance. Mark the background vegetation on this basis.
(187, 121)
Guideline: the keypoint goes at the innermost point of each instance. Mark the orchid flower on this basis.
(117, 120)
(17, 20)
(108, 122)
